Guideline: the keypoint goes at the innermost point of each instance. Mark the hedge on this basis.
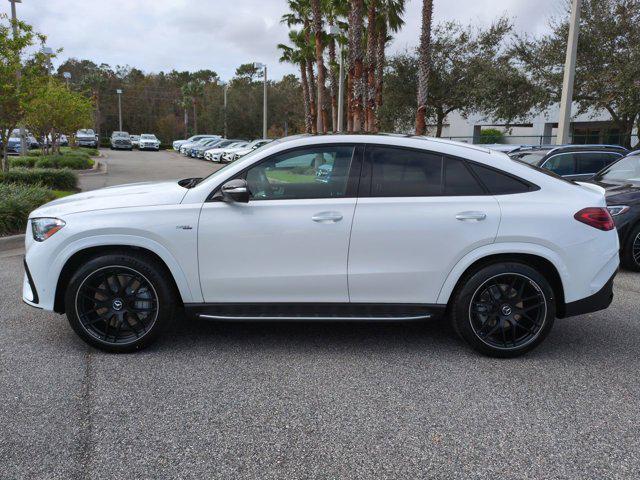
(71, 160)
(16, 202)
(51, 178)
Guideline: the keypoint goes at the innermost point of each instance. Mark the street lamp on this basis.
(564, 122)
(48, 52)
(14, 23)
(119, 92)
(335, 32)
(226, 88)
(264, 99)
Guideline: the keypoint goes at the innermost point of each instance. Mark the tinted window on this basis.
(319, 172)
(594, 162)
(562, 164)
(404, 173)
(458, 180)
(499, 183)
(626, 169)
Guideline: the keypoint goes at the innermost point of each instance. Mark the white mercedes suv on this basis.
(353, 228)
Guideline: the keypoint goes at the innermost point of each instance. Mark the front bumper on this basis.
(598, 301)
(29, 290)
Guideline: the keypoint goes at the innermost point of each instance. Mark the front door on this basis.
(290, 242)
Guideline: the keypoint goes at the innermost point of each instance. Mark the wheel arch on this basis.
(73, 262)
(541, 263)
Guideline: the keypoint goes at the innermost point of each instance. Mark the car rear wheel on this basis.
(503, 310)
(630, 254)
(119, 302)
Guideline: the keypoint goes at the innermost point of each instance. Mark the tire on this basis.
(120, 302)
(503, 310)
(630, 253)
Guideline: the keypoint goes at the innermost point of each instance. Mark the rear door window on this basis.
(562, 164)
(593, 162)
(458, 179)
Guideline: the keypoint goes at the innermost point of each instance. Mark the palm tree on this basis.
(370, 68)
(298, 55)
(356, 84)
(192, 91)
(389, 19)
(424, 63)
(318, 37)
(335, 11)
(300, 14)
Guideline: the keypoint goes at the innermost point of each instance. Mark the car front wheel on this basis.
(504, 310)
(120, 302)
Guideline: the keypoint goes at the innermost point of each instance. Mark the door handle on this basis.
(327, 217)
(477, 216)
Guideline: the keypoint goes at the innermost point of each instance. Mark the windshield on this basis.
(147, 137)
(120, 134)
(531, 158)
(85, 131)
(627, 170)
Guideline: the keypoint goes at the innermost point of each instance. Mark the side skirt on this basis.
(313, 311)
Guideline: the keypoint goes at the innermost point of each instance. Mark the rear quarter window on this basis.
(500, 183)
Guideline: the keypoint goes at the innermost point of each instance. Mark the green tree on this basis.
(20, 73)
(608, 62)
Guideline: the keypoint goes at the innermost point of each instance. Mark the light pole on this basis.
(14, 22)
(264, 99)
(119, 92)
(67, 77)
(226, 88)
(564, 123)
(335, 31)
(47, 52)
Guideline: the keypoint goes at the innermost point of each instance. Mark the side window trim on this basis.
(352, 182)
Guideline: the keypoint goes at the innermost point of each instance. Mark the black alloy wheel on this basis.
(508, 311)
(503, 309)
(117, 305)
(630, 253)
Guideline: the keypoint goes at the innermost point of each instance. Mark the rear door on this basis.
(418, 214)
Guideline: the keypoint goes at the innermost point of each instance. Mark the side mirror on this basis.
(236, 191)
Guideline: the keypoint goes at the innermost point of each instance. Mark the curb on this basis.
(11, 242)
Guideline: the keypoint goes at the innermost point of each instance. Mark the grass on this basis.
(288, 177)
(63, 193)
(16, 202)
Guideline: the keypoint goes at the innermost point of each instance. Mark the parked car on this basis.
(197, 151)
(577, 162)
(135, 141)
(121, 141)
(178, 143)
(234, 154)
(226, 143)
(13, 145)
(621, 181)
(86, 137)
(185, 148)
(522, 246)
(148, 141)
(215, 154)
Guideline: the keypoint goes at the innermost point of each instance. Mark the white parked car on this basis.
(215, 154)
(185, 148)
(178, 143)
(226, 143)
(148, 141)
(135, 141)
(349, 227)
(234, 154)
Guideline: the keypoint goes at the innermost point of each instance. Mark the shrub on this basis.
(490, 136)
(16, 202)
(22, 162)
(74, 163)
(50, 178)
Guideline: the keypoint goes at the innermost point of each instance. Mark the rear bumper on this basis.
(598, 301)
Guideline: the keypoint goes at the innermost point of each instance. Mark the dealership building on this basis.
(540, 129)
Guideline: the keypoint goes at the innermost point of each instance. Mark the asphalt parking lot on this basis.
(321, 400)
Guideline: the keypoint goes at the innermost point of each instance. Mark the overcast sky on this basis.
(159, 35)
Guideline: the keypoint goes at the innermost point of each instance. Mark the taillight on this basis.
(596, 217)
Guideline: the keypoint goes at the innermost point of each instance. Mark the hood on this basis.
(144, 194)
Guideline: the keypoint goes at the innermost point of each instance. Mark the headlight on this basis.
(43, 228)
(616, 210)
